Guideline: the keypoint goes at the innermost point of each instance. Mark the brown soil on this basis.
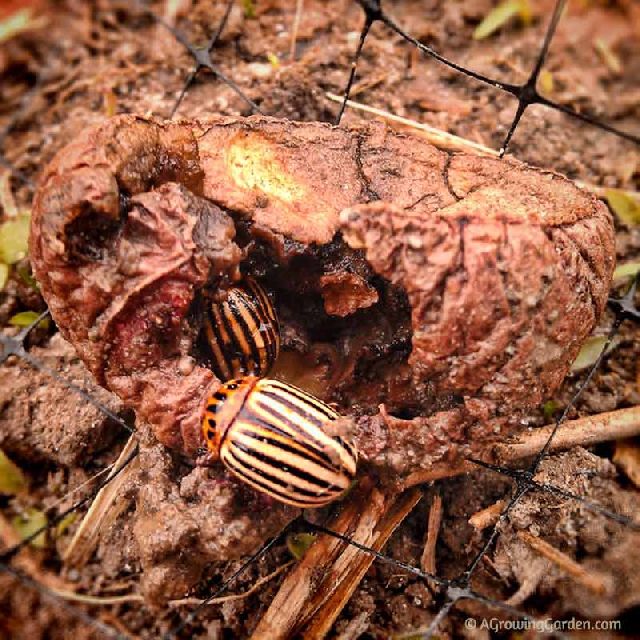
(101, 56)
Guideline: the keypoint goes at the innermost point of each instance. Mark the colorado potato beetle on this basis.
(273, 436)
(242, 332)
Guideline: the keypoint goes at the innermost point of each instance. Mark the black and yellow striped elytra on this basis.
(242, 332)
(273, 436)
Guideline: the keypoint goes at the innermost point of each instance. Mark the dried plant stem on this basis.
(97, 600)
(368, 83)
(487, 517)
(236, 596)
(135, 598)
(351, 568)
(314, 593)
(82, 485)
(356, 627)
(431, 134)
(440, 471)
(428, 559)
(592, 581)
(587, 431)
(7, 201)
(296, 26)
(106, 507)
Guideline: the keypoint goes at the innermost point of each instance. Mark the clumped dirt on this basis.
(104, 57)
(185, 521)
(603, 550)
(49, 424)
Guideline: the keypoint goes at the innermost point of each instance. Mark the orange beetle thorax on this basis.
(222, 408)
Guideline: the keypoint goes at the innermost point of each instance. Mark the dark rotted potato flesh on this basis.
(420, 291)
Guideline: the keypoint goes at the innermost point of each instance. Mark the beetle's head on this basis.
(222, 409)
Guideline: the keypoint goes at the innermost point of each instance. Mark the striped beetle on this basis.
(271, 435)
(242, 332)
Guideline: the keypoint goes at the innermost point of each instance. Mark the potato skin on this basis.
(504, 287)
(506, 267)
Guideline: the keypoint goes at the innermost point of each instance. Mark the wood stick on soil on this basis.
(587, 431)
(487, 517)
(321, 619)
(592, 581)
(108, 504)
(315, 592)
(428, 559)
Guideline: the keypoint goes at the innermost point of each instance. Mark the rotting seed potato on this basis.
(419, 291)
